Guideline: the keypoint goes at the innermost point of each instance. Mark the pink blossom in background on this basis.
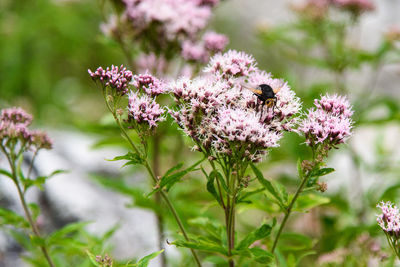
(355, 5)
(215, 42)
(14, 124)
(194, 51)
(116, 77)
(151, 63)
(144, 110)
(389, 220)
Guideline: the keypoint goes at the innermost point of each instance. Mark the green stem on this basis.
(288, 211)
(162, 193)
(25, 207)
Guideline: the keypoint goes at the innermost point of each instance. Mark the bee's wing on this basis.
(254, 90)
(277, 90)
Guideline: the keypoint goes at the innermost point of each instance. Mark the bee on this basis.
(266, 95)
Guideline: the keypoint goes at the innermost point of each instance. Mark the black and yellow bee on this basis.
(266, 95)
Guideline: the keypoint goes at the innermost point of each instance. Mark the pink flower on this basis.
(151, 63)
(116, 78)
(219, 114)
(215, 42)
(389, 220)
(194, 51)
(330, 123)
(16, 116)
(356, 6)
(231, 63)
(14, 124)
(149, 84)
(144, 110)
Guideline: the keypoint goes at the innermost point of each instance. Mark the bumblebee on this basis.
(266, 95)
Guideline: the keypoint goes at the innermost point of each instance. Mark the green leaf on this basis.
(295, 242)
(6, 173)
(201, 245)
(261, 256)
(299, 169)
(8, 217)
(35, 209)
(143, 262)
(132, 158)
(174, 168)
(37, 241)
(213, 228)
(58, 236)
(93, 259)
(270, 187)
(309, 201)
(253, 236)
(322, 172)
(40, 180)
(242, 197)
(170, 179)
(211, 188)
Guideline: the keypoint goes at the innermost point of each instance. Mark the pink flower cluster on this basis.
(356, 6)
(116, 78)
(389, 220)
(149, 84)
(222, 116)
(212, 42)
(144, 109)
(14, 124)
(329, 123)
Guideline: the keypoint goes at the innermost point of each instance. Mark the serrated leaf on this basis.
(143, 262)
(309, 201)
(322, 172)
(130, 157)
(171, 179)
(253, 236)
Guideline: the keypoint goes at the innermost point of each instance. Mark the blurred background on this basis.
(47, 46)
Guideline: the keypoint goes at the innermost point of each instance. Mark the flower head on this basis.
(149, 84)
(355, 6)
(14, 124)
(215, 42)
(329, 123)
(144, 110)
(194, 51)
(232, 63)
(221, 116)
(116, 77)
(389, 220)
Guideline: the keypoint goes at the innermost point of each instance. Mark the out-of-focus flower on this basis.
(194, 52)
(215, 42)
(329, 123)
(16, 116)
(151, 63)
(393, 34)
(144, 110)
(221, 116)
(110, 28)
(314, 9)
(389, 220)
(207, 2)
(355, 6)
(116, 78)
(149, 84)
(14, 124)
(174, 17)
